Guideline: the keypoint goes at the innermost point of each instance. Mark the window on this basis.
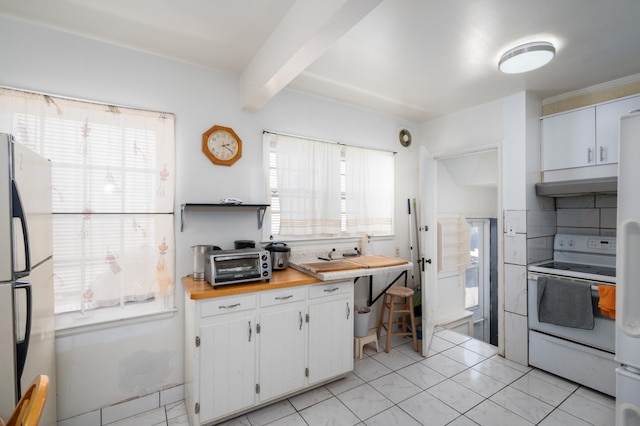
(112, 199)
(323, 189)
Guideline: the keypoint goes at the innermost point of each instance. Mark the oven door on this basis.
(602, 336)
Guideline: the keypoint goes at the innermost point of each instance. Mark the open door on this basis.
(427, 212)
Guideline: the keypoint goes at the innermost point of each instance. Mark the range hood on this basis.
(569, 188)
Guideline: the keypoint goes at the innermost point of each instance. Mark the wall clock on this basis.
(221, 145)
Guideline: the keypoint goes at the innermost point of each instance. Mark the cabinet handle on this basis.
(300, 320)
(235, 305)
(348, 310)
(589, 155)
(284, 297)
(330, 290)
(603, 154)
(250, 331)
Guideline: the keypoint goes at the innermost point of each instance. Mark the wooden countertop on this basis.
(289, 277)
(361, 267)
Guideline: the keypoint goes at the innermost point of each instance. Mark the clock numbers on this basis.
(223, 145)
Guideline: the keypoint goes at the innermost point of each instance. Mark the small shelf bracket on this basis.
(262, 210)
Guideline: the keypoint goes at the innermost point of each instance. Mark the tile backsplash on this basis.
(587, 214)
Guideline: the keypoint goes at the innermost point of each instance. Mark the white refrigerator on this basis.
(628, 274)
(27, 328)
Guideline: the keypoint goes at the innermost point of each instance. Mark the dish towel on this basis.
(564, 302)
(607, 303)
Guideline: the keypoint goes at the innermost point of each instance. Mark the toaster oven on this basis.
(237, 266)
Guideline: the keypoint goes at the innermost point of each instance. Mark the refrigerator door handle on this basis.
(18, 213)
(22, 346)
(628, 270)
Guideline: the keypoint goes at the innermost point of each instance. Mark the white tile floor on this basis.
(462, 382)
(174, 414)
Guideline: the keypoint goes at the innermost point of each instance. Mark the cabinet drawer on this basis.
(330, 289)
(287, 295)
(227, 305)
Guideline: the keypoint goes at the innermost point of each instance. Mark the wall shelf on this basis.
(260, 209)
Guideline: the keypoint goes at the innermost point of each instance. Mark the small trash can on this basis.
(361, 321)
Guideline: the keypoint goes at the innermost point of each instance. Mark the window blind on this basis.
(113, 175)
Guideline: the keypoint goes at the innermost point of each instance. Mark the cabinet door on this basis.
(227, 366)
(607, 127)
(330, 338)
(569, 140)
(282, 352)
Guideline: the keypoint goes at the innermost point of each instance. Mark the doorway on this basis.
(481, 281)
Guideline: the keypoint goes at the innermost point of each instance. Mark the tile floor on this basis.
(461, 382)
(174, 414)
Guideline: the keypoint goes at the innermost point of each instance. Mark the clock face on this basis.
(221, 145)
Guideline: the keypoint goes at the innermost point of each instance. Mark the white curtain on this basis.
(113, 183)
(308, 174)
(369, 180)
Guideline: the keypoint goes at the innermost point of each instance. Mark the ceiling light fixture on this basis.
(527, 57)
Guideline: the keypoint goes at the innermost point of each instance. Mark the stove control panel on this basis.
(585, 244)
(600, 244)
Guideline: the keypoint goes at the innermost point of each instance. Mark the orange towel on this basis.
(607, 303)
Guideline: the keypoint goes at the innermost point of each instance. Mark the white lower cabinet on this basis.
(245, 351)
(282, 352)
(330, 330)
(227, 352)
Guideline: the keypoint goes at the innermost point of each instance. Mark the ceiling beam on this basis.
(305, 33)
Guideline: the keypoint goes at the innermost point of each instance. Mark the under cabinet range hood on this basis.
(570, 188)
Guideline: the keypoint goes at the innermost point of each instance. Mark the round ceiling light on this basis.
(527, 57)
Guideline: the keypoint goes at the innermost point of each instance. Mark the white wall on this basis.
(471, 201)
(469, 129)
(105, 367)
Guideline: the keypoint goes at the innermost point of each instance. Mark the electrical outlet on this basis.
(397, 251)
(511, 229)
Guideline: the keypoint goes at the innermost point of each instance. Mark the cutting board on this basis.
(330, 266)
(377, 261)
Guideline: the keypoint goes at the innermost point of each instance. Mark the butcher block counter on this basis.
(289, 277)
(349, 268)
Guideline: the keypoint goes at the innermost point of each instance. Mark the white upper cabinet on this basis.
(584, 137)
(569, 140)
(607, 125)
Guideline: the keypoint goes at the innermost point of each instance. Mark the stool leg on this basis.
(413, 323)
(403, 306)
(389, 324)
(384, 302)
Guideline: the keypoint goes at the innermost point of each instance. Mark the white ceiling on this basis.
(416, 59)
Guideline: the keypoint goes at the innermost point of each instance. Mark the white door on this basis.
(427, 212)
(330, 339)
(569, 140)
(282, 352)
(227, 366)
(607, 127)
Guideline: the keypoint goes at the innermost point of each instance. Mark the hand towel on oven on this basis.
(565, 302)
(607, 303)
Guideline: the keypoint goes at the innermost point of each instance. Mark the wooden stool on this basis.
(398, 300)
(359, 342)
